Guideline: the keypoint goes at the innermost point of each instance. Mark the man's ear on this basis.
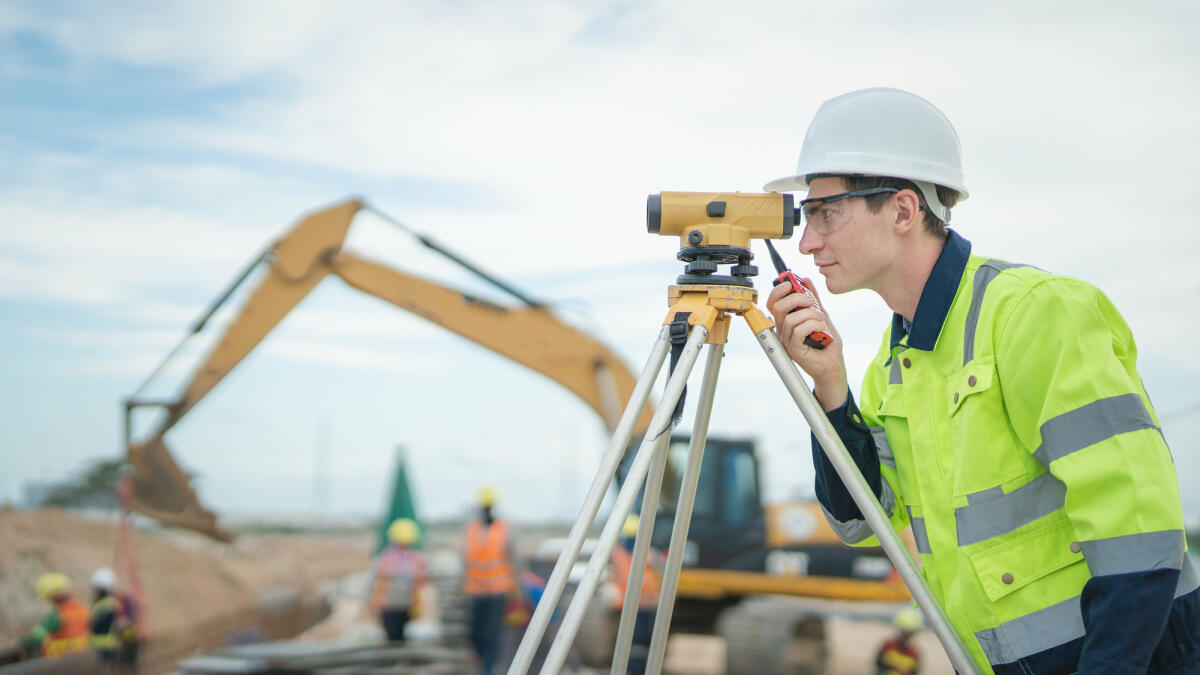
(908, 211)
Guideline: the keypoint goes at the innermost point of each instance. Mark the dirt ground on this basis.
(196, 589)
(193, 586)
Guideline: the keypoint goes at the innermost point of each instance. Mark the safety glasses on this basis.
(826, 214)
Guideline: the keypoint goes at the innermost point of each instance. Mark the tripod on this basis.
(701, 305)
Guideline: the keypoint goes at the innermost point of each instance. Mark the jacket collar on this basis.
(936, 297)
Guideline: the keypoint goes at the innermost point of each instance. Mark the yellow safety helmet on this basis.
(630, 527)
(51, 584)
(487, 496)
(404, 531)
(909, 620)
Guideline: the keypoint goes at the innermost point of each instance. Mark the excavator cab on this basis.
(728, 528)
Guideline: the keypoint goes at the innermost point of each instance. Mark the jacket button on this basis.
(907, 363)
(971, 381)
(956, 398)
(1075, 547)
(1007, 578)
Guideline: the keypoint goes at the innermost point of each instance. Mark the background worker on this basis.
(65, 628)
(898, 655)
(1003, 417)
(400, 576)
(622, 564)
(490, 576)
(106, 613)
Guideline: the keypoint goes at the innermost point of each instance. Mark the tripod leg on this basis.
(659, 425)
(848, 471)
(641, 548)
(683, 512)
(591, 504)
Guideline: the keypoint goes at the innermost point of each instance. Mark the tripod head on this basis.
(715, 228)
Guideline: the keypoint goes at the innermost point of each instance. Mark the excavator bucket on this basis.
(297, 264)
(164, 492)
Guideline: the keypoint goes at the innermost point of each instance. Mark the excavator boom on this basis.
(530, 335)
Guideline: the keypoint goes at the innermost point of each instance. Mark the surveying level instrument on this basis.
(714, 229)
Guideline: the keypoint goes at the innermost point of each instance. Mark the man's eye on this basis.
(812, 211)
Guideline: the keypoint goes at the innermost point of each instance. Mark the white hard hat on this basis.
(881, 132)
(104, 579)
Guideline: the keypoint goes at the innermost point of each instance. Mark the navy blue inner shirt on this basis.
(922, 333)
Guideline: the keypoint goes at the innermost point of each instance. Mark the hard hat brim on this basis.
(787, 184)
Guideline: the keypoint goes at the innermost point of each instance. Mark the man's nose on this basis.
(810, 242)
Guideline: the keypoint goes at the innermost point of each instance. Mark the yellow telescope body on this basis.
(720, 218)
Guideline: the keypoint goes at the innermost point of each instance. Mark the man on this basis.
(65, 628)
(399, 578)
(622, 564)
(898, 655)
(106, 617)
(490, 575)
(1002, 417)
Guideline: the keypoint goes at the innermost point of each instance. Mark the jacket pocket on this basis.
(1023, 559)
(987, 454)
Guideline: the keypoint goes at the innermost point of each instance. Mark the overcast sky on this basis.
(149, 150)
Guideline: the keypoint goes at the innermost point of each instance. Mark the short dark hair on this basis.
(933, 224)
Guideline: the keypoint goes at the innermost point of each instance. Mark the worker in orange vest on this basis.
(490, 576)
(622, 563)
(65, 629)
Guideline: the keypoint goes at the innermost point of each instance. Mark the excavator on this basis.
(737, 547)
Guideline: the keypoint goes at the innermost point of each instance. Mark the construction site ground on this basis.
(201, 595)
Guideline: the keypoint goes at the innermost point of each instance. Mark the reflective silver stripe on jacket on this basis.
(894, 373)
(991, 513)
(854, 531)
(1134, 552)
(988, 271)
(1054, 625)
(1032, 633)
(920, 535)
(886, 456)
(1188, 579)
(1089, 424)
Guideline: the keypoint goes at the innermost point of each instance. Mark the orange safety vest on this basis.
(622, 561)
(73, 629)
(489, 569)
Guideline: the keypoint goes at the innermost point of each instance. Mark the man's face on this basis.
(855, 253)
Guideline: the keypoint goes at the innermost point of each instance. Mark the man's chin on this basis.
(832, 286)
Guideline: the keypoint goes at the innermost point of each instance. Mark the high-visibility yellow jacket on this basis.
(104, 619)
(1008, 425)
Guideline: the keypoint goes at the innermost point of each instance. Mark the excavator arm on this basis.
(530, 335)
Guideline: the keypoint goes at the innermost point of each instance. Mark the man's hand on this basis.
(795, 317)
